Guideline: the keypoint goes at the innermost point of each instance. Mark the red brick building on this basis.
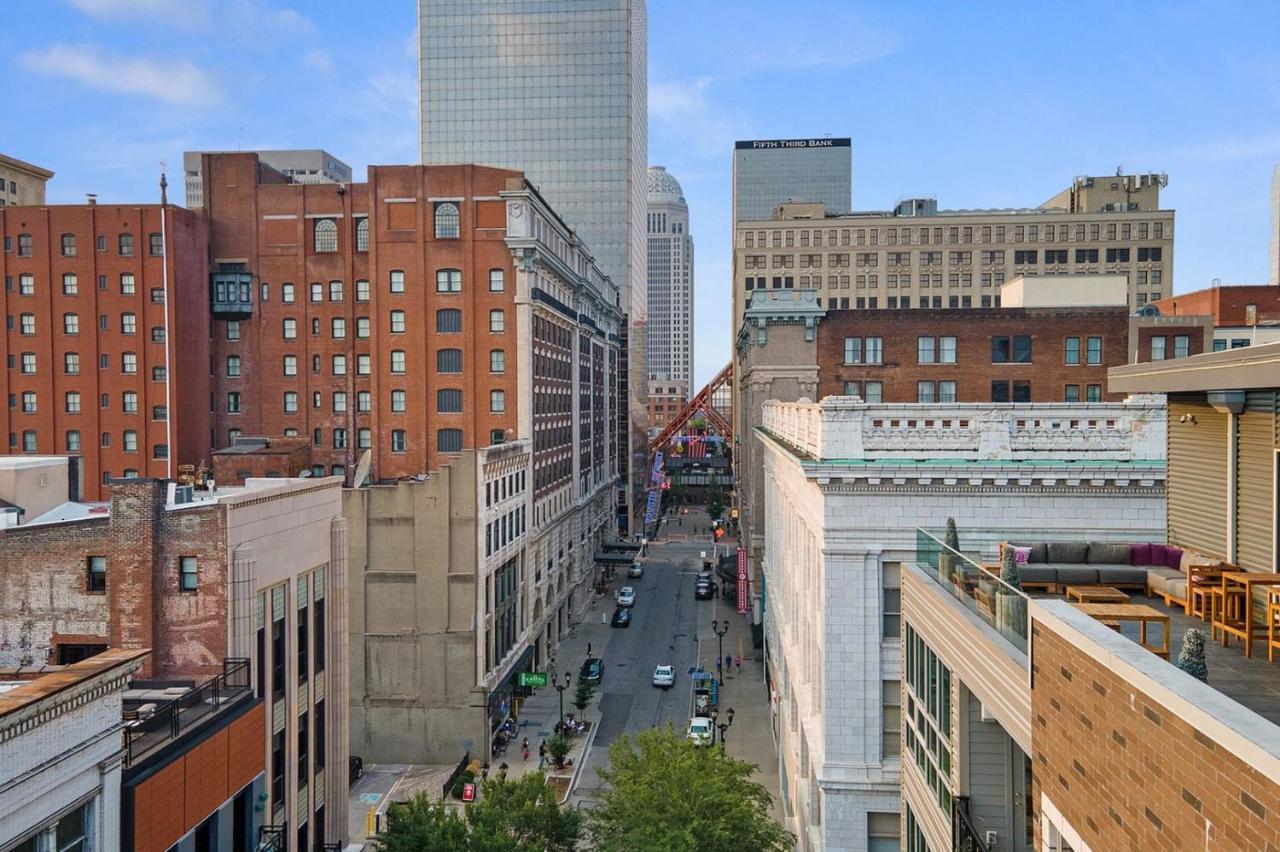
(1231, 306)
(990, 354)
(102, 304)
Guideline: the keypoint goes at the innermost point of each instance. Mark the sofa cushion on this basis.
(1069, 552)
(1037, 550)
(1158, 552)
(1103, 553)
(1125, 575)
(1172, 557)
(1021, 555)
(1076, 575)
(1043, 573)
(1140, 554)
(1158, 577)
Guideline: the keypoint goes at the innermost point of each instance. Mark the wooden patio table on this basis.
(1241, 625)
(1141, 613)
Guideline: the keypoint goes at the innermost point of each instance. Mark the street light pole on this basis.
(560, 689)
(720, 628)
(724, 727)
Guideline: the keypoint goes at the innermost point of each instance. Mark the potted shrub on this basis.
(558, 749)
(948, 562)
(1191, 658)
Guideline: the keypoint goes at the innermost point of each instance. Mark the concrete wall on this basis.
(413, 605)
(36, 484)
(1066, 291)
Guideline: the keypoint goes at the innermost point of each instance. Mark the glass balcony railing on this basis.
(975, 585)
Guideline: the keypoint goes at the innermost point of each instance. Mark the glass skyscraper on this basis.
(556, 89)
(767, 172)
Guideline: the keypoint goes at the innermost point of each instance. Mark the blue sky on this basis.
(990, 109)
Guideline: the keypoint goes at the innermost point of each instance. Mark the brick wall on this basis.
(1225, 304)
(284, 457)
(1128, 773)
(973, 329)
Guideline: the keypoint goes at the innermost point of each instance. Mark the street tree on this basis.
(666, 793)
(582, 696)
(715, 497)
(509, 815)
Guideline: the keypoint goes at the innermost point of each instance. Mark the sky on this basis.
(981, 105)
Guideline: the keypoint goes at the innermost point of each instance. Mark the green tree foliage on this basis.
(558, 747)
(715, 497)
(508, 816)
(665, 793)
(582, 696)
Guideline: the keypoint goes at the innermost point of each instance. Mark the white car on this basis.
(664, 676)
(636, 570)
(701, 731)
(626, 596)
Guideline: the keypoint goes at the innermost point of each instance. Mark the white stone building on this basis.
(61, 756)
(669, 335)
(846, 485)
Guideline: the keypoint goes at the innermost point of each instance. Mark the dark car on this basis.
(704, 591)
(592, 670)
(355, 769)
(622, 617)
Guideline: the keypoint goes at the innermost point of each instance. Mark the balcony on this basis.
(159, 712)
(231, 295)
(977, 587)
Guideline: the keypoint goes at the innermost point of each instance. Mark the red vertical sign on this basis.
(742, 580)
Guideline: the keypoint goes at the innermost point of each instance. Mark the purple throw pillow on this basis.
(1158, 552)
(1140, 554)
(1021, 555)
(1173, 558)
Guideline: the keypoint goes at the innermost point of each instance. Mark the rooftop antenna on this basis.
(164, 184)
(1120, 170)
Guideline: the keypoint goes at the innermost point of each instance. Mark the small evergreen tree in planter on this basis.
(1191, 658)
(582, 696)
(1011, 607)
(558, 748)
(948, 562)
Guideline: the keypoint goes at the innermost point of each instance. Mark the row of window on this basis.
(71, 285)
(71, 325)
(69, 247)
(448, 401)
(448, 223)
(447, 440)
(957, 234)
(945, 391)
(448, 321)
(1145, 254)
(73, 443)
(71, 403)
(448, 361)
(1005, 349)
(27, 361)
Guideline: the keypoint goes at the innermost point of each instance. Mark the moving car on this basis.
(622, 617)
(701, 730)
(592, 670)
(704, 591)
(664, 676)
(626, 596)
(636, 570)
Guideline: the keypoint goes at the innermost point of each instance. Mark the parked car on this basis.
(636, 570)
(626, 596)
(355, 769)
(592, 670)
(701, 731)
(704, 591)
(622, 617)
(664, 676)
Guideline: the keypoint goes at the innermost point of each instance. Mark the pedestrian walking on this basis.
(737, 662)
(542, 754)
(524, 749)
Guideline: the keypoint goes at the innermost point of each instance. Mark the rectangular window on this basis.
(1094, 351)
(497, 361)
(859, 350)
(126, 245)
(317, 292)
(397, 322)
(1157, 348)
(1071, 393)
(397, 281)
(448, 281)
(497, 321)
(70, 286)
(286, 293)
(290, 329)
(362, 291)
(1181, 346)
(97, 574)
(925, 350)
(999, 391)
(1022, 391)
(497, 281)
(129, 363)
(872, 392)
(1094, 393)
(338, 328)
(497, 401)
(926, 392)
(187, 577)
(946, 391)
(1011, 350)
(335, 291)
(1071, 351)
(155, 245)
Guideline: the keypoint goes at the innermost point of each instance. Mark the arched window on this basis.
(447, 221)
(326, 235)
(362, 235)
(447, 440)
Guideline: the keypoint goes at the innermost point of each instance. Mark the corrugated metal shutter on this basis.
(1198, 468)
(1255, 478)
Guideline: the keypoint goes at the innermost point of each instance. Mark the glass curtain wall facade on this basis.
(767, 172)
(556, 89)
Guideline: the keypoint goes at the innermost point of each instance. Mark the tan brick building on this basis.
(21, 182)
(920, 256)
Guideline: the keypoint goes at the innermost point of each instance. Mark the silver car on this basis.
(626, 596)
(664, 677)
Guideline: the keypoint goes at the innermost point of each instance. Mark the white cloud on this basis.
(115, 8)
(175, 82)
(682, 107)
(319, 60)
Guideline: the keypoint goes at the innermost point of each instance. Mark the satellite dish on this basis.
(362, 470)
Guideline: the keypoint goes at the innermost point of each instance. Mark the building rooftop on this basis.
(28, 694)
(1254, 367)
(663, 187)
(156, 713)
(23, 165)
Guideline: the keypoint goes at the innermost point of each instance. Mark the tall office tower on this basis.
(669, 336)
(767, 172)
(308, 165)
(556, 90)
